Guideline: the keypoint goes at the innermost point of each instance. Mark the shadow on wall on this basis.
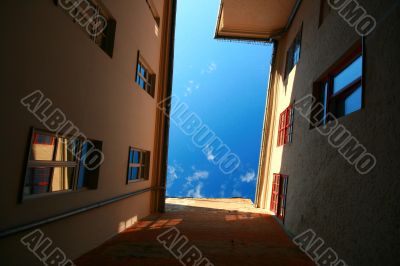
(353, 213)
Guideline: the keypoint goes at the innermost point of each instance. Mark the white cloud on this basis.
(236, 193)
(248, 177)
(211, 67)
(198, 175)
(173, 173)
(191, 87)
(196, 191)
(222, 191)
(194, 184)
(209, 154)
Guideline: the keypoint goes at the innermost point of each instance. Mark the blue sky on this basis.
(225, 84)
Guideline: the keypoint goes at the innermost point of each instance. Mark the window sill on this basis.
(137, 181)
(52, 194)
(45, 195)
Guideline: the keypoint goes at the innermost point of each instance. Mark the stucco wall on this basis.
(357, 215)
(42, 49)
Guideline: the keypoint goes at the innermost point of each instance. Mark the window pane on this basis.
(348, 75)
(66, 150)
(62, 178)
(133, 173)
(351, 103)
(296, 54)
(325, 101)
(42, 147)
(38, 179)
(88, 172)
(143, 71)
(136, 157)
(141, 83)
(49, 148)
(143, 174)
(131, 155)
(82, 169)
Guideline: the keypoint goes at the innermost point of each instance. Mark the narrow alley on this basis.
(226, 231)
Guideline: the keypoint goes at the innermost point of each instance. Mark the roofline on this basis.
(266, 39)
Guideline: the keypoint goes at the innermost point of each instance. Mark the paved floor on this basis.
(226, 231)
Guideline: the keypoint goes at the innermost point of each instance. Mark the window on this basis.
(94, 19)
(278, 196)
(324, 11)
(139, 165)
(341, 91)
(154, 12)
(293, 54)
(55, 164)
(144, 78)
(285, 127)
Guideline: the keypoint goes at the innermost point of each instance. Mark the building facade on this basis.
(327, 159)
(84, 148)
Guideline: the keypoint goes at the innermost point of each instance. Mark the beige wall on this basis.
(44, 50)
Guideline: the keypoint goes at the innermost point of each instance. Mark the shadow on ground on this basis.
(227, 232)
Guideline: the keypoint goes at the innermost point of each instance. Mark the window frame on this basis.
(324, 11)
(154, 12)
(278, 200)
(290, 53)
(29, 163)
(285, 126)
(105, 40)
(323, 88)
(150, 81)
(144, 157)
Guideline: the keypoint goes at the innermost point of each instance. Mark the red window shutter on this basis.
(285, 126)
(283, 183)
(275, 194)
(278, 195)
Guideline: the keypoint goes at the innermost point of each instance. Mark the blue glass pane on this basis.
(133, 173)
(353, 102)
(131, 155)
(325, 101)
(136, 157)
(82, 168)
(296, 54)
(348, 75)
(141, 83)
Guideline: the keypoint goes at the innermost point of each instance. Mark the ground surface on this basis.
(226, 231)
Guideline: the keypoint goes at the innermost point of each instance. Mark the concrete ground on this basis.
(226, 231)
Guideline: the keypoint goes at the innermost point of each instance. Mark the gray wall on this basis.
(357, 215)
